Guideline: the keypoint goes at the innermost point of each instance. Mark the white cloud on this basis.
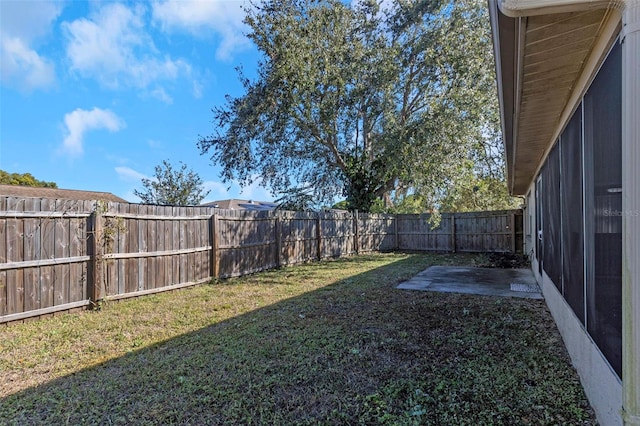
(80, 121)
(130, 175)
(221, 191)
(160, 94)
(21, 25)
(202, 18)
(197, 90)
(23, 67)
(217, 191)
(154, 143)
(256, 192)
(114, 48)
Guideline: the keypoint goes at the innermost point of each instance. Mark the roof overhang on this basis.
(546, 54)
(518, 8)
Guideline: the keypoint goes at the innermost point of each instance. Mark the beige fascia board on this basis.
(519, 8)
(509, 133)
(493, 18)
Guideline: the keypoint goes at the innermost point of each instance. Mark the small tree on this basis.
(171, 187)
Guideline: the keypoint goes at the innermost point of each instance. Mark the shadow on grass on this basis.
(357, 351)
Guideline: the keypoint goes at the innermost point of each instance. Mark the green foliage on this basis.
(341, 205)
(24, 179)
(479, 193)
(298, 200)
(172, 187)
(361, 101)
(409, 204)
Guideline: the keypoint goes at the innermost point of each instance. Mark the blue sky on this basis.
(95, 94)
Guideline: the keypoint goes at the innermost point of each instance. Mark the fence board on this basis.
(205, 257)
(3, 259)
(142, 248)
(175, 244)
(47, 238)
(184, 272)
(191, 257)
(153, 277)
(62, 285)
(31, 252)
(167, 235)
(77, 271)
(132, 266)
(15, 278)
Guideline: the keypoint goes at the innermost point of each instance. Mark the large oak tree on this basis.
(373, 103)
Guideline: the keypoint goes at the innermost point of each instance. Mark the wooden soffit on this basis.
(543, 62)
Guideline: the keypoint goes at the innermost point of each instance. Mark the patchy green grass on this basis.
(323, 343)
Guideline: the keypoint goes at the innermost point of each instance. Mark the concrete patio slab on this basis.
(470, 280)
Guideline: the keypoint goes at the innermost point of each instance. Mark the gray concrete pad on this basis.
(483, 281)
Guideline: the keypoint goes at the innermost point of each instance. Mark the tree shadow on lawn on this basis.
(355, 352)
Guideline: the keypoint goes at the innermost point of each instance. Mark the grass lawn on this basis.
(323, 343)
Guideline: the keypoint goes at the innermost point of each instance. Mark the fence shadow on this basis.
(353, 351)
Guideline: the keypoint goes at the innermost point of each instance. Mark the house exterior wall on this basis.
(601, 384)
(588, 328)
(631, 211)
(601, 332)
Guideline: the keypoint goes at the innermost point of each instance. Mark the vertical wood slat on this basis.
(15, 253)
(61, 284)
(154, 279)
(191, 242)
(319, 235)
(453, 233)
(121, 248)
(110, 267)
(77, 247)
(167, 263)
(512, 227)
(356, 236)
(94, 283)
(215, 254)
(47, 236)
(4, 288)
(396, 244)
(31, 237)
(142, 247)
(278, 239)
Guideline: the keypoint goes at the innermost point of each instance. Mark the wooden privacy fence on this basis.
(60, 255)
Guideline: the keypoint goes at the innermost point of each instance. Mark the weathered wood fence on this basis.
(58, 255)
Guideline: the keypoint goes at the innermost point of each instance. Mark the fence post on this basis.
(278, 231)
(94, 277)
(215, 242)
(319, 235)
(453, 232)
(356, 234)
